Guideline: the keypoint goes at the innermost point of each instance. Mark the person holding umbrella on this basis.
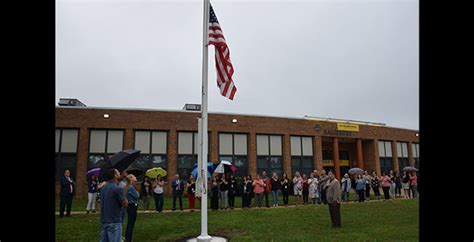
(406, 185)
(346, 187)
(413, 184)
(66, 194)
(158, 193)
(178, 188)
(92, 186)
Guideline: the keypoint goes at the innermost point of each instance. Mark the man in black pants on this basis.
(66, 193)
(334, 200)
(178, 187)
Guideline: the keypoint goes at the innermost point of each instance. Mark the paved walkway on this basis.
(235, 209)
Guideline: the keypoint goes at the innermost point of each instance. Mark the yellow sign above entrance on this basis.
(331, 163)
(348, 127)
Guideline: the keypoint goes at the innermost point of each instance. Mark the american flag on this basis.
(223, 65)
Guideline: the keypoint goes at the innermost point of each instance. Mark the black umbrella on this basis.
(135, 171)
(123, 159)
(104, 169)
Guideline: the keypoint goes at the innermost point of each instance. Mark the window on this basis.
(153, 147)
(301, 155)
(269, 154)
(385, 155)
(402, 150)
(233, 148)
(188, 145)
(103, 143)
(66, 152)
(416, 154)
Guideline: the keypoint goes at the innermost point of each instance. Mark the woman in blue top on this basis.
(360, 187)
(132, 196)
(92, 193)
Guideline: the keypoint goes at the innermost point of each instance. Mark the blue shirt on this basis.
(92, 187)
(111, 197)
(132, 195)
(360, 184)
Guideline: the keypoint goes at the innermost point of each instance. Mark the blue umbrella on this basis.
(210, 169)
(195, 173)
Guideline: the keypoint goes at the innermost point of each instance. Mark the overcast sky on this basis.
(353, 60)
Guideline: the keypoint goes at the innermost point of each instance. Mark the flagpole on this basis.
(204, 236)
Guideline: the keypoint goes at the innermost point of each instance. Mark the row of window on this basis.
(385, 153)
(232, 147)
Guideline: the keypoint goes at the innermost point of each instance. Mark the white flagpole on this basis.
(204, 236)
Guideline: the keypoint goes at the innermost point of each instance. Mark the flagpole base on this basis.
(205, 238)
(208, 238)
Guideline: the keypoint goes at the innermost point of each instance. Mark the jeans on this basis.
(231, 198)
(259, 197)
(275, 197)
(265, 193)
(223, 195)
(65, 201)
(376, 191)
(367, 191)
(91, 201)
(386, 192)
(345, 196)
(110, 232)
(146, 201)
(244, 200)
(305, 196)
(285, 197)
(132, 217)
(179, 196)
(414, 190)
(159, 200)
(361, 195)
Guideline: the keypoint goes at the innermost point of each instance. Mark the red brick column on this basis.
(286, 155)
(318, 150)
(172, 154)
(252, 154)
(411, 161)
(336, 158)
(360, 160)
(129, 141)
(214, 147)
(82, 159)
(394, 156)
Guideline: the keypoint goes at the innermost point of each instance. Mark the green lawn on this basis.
(80, 204)
(394, 220)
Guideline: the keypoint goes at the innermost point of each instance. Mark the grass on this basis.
(80, 204)
(393, 220)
